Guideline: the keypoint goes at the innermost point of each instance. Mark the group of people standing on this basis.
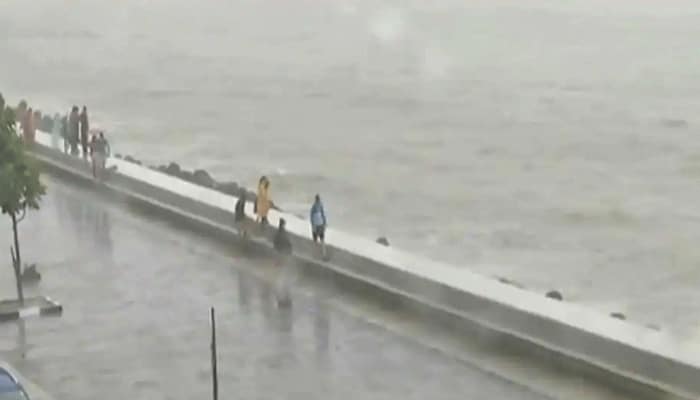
(281, 241)
(261, 208)
(74, 128)
(75, 131)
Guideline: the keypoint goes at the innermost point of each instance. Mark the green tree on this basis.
(20, 187)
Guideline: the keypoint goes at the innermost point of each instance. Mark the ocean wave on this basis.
(598, 216)
(674, 123)
(164, 93)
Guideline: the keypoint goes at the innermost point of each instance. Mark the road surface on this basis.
(136, 294)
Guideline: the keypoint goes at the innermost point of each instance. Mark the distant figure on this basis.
(100, 152)
(56, 130)
(262, 203)
(26, 122)
(91, 145)
(21, 111)
(318, 224)
(84, 131)
(30, 126)
(64, 134)
(38, 121)
(74, 130)
(283, 247)
(239, 216)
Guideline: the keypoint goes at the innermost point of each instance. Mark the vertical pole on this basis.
(215, 376)
(17, 260)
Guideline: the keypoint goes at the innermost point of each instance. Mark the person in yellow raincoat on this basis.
(262, 203)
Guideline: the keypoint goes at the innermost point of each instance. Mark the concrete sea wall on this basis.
(529, 324)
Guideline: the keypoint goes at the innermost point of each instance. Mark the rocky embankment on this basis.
(198, 177)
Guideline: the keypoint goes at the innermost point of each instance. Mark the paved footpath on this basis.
(136, 294)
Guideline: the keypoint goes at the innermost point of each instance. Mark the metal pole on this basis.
(215, 376)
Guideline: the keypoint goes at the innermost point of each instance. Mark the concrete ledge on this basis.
(574, 337)
(11, 310)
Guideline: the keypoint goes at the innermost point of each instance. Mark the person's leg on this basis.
(103, 165)
(240, 226)
(322, 239)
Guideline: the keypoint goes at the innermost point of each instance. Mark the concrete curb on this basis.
(637, 359)
(49, 308)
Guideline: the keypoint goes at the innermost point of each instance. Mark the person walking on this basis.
(84, 131)
(317, 217)
(262, 202)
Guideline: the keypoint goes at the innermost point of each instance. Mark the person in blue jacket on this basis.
(318, 224)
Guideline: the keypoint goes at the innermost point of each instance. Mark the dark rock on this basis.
(618, 315)
(555, 295)
(653, 327)
(383, 241)
(30, 274)
(202, 178)
(130, 159)
(187, 176)
(231, 188)
(119, 156)
(173, 169)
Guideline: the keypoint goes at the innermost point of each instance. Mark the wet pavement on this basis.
(136, 295)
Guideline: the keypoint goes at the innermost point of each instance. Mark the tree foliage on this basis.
(20, 187)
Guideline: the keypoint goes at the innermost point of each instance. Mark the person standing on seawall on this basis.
(64, 133)
(262, 203)
(30, 131)
(318, 224)
(24, 121)
(100, 151)
(84, 131)
(74, 130)
(56, 130)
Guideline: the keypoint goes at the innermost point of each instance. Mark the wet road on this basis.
(136, 295)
